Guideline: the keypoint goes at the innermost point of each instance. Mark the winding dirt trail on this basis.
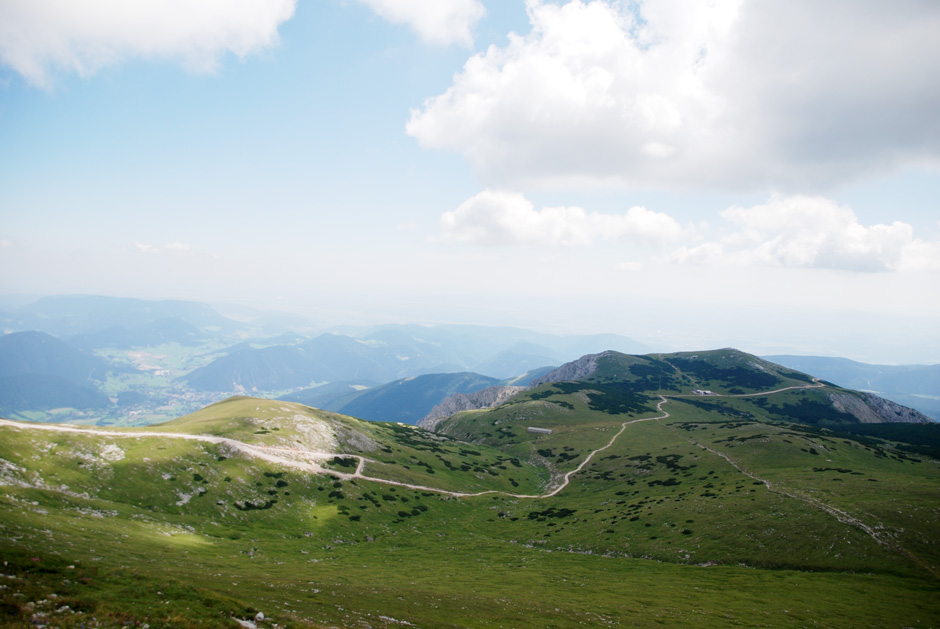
(567, 477)
(305, 460)
(842, 516)
(308, 461)
(880, 537)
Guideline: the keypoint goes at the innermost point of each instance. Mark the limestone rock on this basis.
(872, 409)
(485, 398)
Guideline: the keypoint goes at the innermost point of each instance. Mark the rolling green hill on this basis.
(646, 504)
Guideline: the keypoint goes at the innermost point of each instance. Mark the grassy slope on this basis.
(329, 552)
(394, 451)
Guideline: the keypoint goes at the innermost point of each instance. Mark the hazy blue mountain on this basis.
(575, 346)
(340, 357)
(410, 399)
(406, 350)
(285, 338)
(170, 330)
(390, 353)
(267, 369)
(381, 358)
(471, 345)
(331, 394)
(271, 322)
(326, 358)
(36, 391)
(916, 386)
(40, 353)
(41, 372)
(9, 303)
(526, 379)
(520, 358)
(67, 315)
(268, 322)
(415, 344)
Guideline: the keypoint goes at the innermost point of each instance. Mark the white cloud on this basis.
(435, 21)
(812, 232)
(503, 218)
(39, 37)
(730, 93)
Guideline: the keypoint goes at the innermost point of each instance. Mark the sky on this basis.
(763, 175)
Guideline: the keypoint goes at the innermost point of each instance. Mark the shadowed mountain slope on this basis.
(41, 372)
(409, 400)
(40, 353)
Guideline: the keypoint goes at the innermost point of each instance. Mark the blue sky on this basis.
(757, 174)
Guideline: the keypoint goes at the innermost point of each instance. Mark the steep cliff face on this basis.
(872, 409)
(486, 398)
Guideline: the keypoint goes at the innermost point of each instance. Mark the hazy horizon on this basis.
(762, 175)
(750, 340)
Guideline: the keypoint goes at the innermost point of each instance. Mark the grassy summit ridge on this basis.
(726, 512)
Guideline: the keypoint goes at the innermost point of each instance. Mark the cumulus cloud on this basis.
(435, 21)
(812, 232)
(731, 93)
(38, 37)
(503, 218)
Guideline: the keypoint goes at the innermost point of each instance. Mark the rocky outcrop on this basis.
(485, 398)
(869, 408)
(575, 370)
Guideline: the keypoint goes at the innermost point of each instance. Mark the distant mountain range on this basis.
(392, 353)
(158, 332)
(158, 359)
(69, 315)
(254, 370)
